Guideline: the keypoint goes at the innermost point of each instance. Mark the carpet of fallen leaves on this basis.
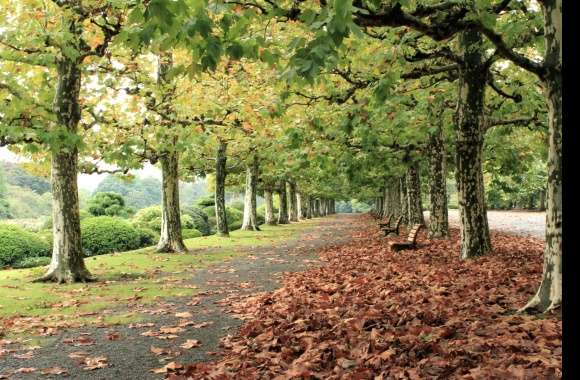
(373, 314)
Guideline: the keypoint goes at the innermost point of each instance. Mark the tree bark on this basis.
(250, 221)
(438, 218)
(404, 201)
(473, 73)
(549, 294)
(171, 239)
(542, 200)
(415, 205)
(300, 206)
(220, 189)
(293, 211)
(67, 264)
(269, 199)
(309, 207)
(283, 211)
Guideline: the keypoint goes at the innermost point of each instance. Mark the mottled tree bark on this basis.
(283, 210)
(438, 218)
(171, 239)
(269, 200)
(67, 264)
(300, 206)
(250, 220)
(220, 189)
(549, 294)
(415, 206)
(293, 204)
(473, 71)
(404, 201)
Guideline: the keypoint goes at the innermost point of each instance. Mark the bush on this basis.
(235, 217)
(17, 244)
(31, 262)
(206, 201)
(108, 203)
(190, 233)
(150, 218)
(106, 234)
(238, 205)
(147, 236)
(199, 219)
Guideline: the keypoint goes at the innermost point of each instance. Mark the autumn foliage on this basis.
(372, 314)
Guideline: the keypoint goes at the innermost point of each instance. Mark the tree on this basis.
(54, 53)
(109, 204)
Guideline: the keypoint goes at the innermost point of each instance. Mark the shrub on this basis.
(206, 201)
(17, 244)
(238, 205)
(31, 262)
(199, 219)
(147, 236)
(106, 234)
(190, 233)
(108, 203)
(149, 217)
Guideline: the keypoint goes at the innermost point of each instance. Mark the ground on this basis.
(121, 326)
(523, 223)
(160, 313)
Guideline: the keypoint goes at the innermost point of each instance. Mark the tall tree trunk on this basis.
(542, 200)
(269, 199)
(300, 206)
(394, 197)
(220, 189)
(67, 264)
(308, 202)
(293, 211)
(171, 239)
(549, 294)
(404, 200)
(415, 205)
(283, 211)
(473, 74)
(438, 218)
(316, 208)
(250, 221)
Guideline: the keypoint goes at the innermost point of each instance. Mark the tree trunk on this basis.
(283, 211)
(394, 197)
(293, 212)
(220, 190)
(316, 208)
(300, 206)
(269, 217)
(404, 200)
(438, 218)
(67, 264)
(549, 294)
(250, 221)
(473, 72)
(415, 205)
(542, 200)
(309, 207)
(171, 239)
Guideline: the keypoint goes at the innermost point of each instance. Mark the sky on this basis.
(86, 182)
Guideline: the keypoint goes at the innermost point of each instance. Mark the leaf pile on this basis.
(373, 314)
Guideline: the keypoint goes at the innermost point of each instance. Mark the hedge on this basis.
(17, 244)
(107, 234)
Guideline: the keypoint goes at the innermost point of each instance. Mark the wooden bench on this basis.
(411, 242)
(386, 222)
(388, 229)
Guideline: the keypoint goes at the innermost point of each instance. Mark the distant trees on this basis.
(109, 204)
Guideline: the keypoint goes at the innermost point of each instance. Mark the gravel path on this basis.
(524, 223)
(128, 352)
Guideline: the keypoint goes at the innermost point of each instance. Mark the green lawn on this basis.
(141, 276)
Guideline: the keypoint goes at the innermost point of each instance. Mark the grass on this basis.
(140, 276)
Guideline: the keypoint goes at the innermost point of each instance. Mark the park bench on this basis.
(411, 242)
(388, 229)
(385, 222)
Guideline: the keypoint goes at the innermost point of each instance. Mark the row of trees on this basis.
(373, 92)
